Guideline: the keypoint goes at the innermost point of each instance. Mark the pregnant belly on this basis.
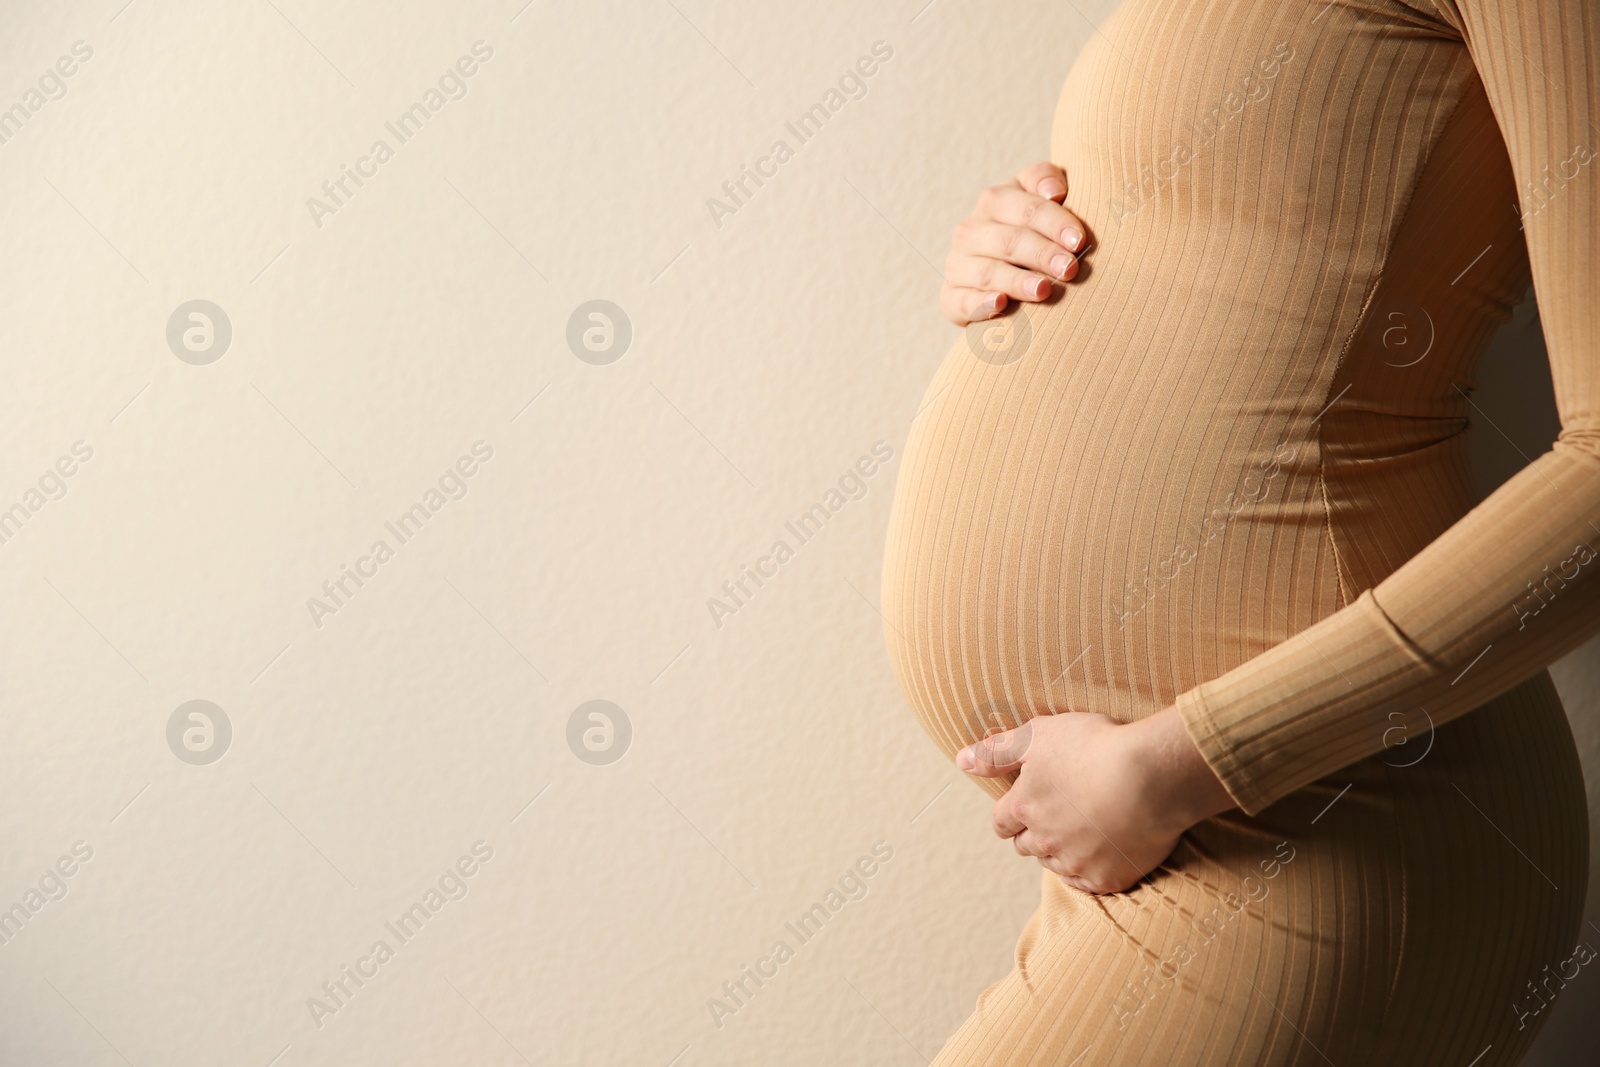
(1082, 528)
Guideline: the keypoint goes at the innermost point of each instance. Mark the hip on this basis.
(1451, 868)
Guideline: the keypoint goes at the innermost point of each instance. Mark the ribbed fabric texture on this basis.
(1514, 582)
(1227, 469)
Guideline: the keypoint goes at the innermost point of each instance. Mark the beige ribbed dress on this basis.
(1227, 469)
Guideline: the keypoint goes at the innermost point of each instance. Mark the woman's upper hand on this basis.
(1016, 241)
(1098, 802)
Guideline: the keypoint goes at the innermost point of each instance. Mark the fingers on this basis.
(1075, 879)
(998, 753)
(1056, 867)
(1099, 884)
(986, 241)
(962, 305)
(1006, 816)
(993, 275)
(1015, 206)
(1018, 240)
(976, 289)
(1027, 843)
(1044, 179)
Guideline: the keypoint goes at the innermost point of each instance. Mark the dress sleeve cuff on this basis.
(1315, 702)
(1208, 737)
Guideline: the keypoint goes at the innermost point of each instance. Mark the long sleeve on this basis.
(1514, 584)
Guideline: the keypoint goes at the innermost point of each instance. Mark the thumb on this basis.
(998, 753)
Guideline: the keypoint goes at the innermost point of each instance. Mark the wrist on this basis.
(1183, 788)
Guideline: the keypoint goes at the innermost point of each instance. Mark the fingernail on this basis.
(1041, 286)
(1059, 265)
(989, 304)
(1051, 188)
(964, 759)
(1072, 237)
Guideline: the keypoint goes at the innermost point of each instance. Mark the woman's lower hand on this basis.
(1098, 802)
(1014, 245)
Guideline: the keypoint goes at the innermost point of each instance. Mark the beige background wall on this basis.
(429, 712)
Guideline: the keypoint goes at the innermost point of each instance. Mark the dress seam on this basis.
(1327, 517)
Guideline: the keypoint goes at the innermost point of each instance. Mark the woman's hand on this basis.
(1099, 803)
(1014, 243)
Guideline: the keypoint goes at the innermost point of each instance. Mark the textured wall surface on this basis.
(232, 372)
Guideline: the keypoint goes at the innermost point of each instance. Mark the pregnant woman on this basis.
(1184, 564)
